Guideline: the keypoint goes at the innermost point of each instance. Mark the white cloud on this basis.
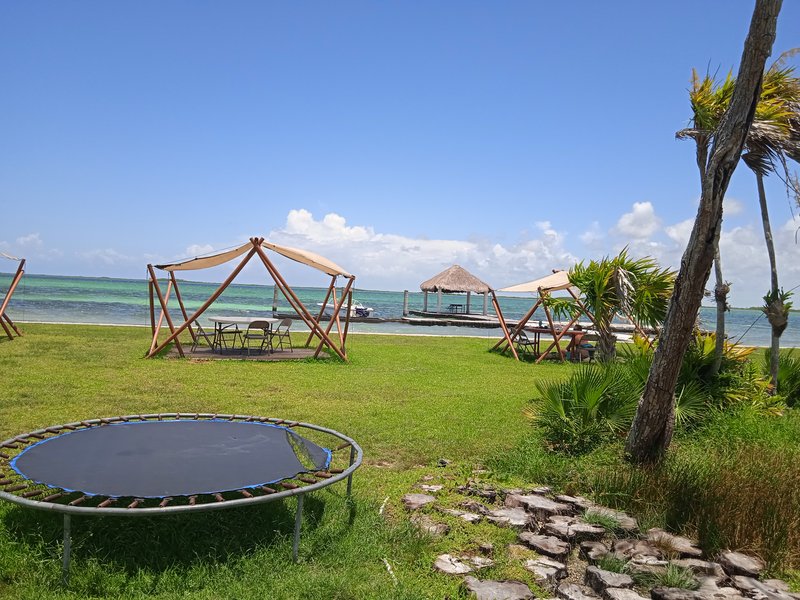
(106, 256)
(641, 222)
(732, 207)
(199, 250)
(32, 240)
(680, 232)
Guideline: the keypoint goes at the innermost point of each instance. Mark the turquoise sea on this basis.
(50, 299)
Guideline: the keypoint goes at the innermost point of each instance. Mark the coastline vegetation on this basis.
(730, 479)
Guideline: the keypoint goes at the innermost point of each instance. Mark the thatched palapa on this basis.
(455, 280)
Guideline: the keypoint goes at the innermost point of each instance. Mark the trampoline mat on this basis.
(155, 459)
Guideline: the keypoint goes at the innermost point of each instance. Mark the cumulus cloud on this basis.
(732, 207)
(641, 222)
(32, 240)
(199, 249)
(105, 256)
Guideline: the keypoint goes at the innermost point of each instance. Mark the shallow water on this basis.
(49, 299)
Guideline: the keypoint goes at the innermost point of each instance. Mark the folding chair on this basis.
(202, 334)
(526, 346)
(280, 335)
(257, 331)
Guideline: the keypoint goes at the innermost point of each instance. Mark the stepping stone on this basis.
(489, 493)
(417, 501)
(446, 563)
(516, 518)
(431, 489)
(593, 551)
(546, 570)
(636, 549)
(599, 579)
(762, 589)
(479, 562)
(701, 567)
(539, 506)
(674, 544)
(497, 590)
(475, 507)
(664, 593)
(573, 591)
(427, 525)
(545, 544)
(621, 594)
(572, 529)
(736, 563)
(709, 590)
(580, 503)
(466, 516)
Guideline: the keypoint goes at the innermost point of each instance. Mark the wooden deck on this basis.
(205, 353)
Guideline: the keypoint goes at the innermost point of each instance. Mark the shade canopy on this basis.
(559, 280)
(305, 257)
(455, 280)
(9, 257)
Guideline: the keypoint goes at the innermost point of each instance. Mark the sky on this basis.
(395, 138)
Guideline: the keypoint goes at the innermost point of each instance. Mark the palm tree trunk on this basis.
(651, 432)
(721, 289)
(607, 345)
(776, 312)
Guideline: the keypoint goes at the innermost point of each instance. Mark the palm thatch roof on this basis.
(455, 280)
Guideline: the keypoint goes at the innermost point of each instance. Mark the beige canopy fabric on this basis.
(456, 279)
(559, 280)
(308, 258)
(305, 257)
(9, 257)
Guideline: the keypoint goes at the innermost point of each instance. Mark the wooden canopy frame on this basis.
(254, 247)
(8, 325)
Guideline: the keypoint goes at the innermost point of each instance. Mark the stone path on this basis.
(569, 549)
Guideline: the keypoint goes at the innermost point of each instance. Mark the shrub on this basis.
(788, 375)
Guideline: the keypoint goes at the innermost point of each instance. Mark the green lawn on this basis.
(407, 400)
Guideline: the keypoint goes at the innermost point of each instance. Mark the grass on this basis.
(408, 401)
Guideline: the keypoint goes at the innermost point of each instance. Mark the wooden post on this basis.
(13, 286)
(439, 300)
(485, 302)
(161, 316)
(468, 296)
(347, 321)
(519, 326)
(152, 308)
(503, 326)
(164, 313)
(322, 309)
(274, 299)
(336, 310)
(425, 302)
(180, 303)
(405, 303)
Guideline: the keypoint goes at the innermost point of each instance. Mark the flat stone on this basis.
(579, 502)
(466, 516)
(431, 489)
(539, 506)
(625, 521)
(545, 544)
(497, 590)
(736, 563)
(779, 585)
(542, 490)
(638, 568)
(475, 507)
(489, 493)
(674, 544)
(573, 591)
(428, 478)
(572, 529)
(546, 570)
(593, 551)
(635, 549)
(762, 590)
(709, 590)
(664, 593)
(479, 562)
(701, 567)
(427, 525)
(621, 594)
(599, 579)
(417, 501)
(516, 518)
(451, 565)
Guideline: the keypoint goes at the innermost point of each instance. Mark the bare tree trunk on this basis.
(775, 312)
(651, 432)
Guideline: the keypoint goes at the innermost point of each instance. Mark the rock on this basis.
(593, 551)
(545, 544)
(701, 567)
(673, 544)
(572, 529)
(625, 522)
(709, 590)
(664, 593)
(497, 590)
(428, 478)
(486, 547)
(443, 462)
(621, 594)
(466, 516)
(451, 565)
(470, 490)
(658, 567)
(572, 591)
(599, 579)
(417, 501)
(431, 489)
(427, 525)
(546, 570)
(475, 507)
(542, 490)
(579, 503)
(635, 549)
(762, 590)
(479, 562)
(539, 506)
(779, 585)
(515, 518)
(736, 563)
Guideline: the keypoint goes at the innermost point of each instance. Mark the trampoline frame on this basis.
(14, 490)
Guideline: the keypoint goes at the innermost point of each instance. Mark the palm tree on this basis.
(773, 137)
(637, 289)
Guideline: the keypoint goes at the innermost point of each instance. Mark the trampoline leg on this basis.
(297, 521)
(350, 477)
(66, 551)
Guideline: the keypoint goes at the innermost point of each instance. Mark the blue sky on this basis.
(396, 138)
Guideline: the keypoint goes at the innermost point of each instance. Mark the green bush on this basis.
(788, 375)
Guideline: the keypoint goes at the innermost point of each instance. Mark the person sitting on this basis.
(578, 350)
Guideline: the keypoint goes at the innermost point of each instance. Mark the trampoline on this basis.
(157, 464)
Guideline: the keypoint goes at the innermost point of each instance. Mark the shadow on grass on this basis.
(168, 542)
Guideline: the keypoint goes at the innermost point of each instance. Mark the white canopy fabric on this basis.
(9, 257)
(550, 283)
(302, 256)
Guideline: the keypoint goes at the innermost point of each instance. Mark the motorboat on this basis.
(356, 310)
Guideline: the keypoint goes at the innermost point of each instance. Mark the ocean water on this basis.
(50, 299)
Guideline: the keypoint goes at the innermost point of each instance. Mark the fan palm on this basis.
(637, 289)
